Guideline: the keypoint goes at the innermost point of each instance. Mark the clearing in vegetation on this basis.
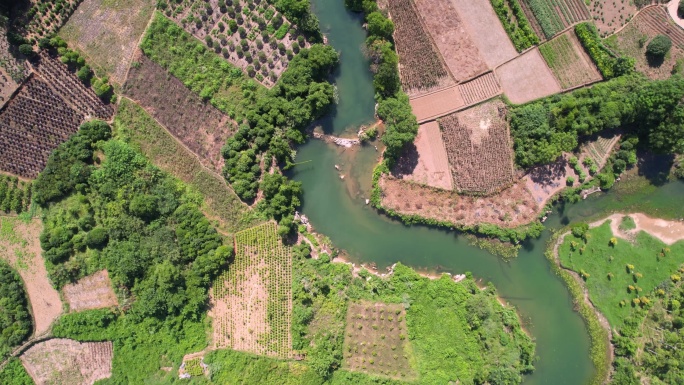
(553, 16)
(107, 32)
(609, 16)
(376, 340)
(167, 153)
(449, 34)
(479, 148)
(599, 149)
(420, 65)
(20, 247)
(196, 123)
(482, 26)
(63, 361)
(91, 292)
(620, 274)
(527, 78)
(33, 124)
(250, 34)
(568, 61)
(252, 301)
(634, 38)
(425, 161)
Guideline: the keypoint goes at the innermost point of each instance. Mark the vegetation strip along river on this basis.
(336, 208)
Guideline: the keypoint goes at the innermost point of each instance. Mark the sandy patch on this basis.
(666, 231)
(426, 162)
(486, 31)
(436, 104)
(63, 361)
(527, 78)
(91, 292)
(20, 247)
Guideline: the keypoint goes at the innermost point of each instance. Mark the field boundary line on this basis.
(634, 17)
(137, 46)
(458, 109)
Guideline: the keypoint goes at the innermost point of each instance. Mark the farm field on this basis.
(220, 202)
(44, 18)
(426, 162)
(617, 271)
(553, 16)
(376, 341)
(421, 67)
(107, 33)
(512, 207)
(91, 292)
(15, 68)
(64, 361)
(33, 124)
(15, 194)
(252, 301)
(527, 78)
(515, 23)
(64, 83)
(568, 61)
(633, 40)
(250, 34)
(20, 247)
(479, 89)
(196, 123)
(436, 104)
(479, 148)
(609, 16)
(485, 31)
(599, 149)
(448, 30)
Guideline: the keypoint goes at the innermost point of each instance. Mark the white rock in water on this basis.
(341, 176)
(367, 201)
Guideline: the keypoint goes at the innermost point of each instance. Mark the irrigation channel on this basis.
(336, 208)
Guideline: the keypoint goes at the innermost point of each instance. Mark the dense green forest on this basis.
(650, 110)
(15, 318)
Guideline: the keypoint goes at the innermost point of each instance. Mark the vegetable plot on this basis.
(252, 301)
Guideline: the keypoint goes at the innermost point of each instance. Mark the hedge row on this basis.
(609, 65)
(520, 31)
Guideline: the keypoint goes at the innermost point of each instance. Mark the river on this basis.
(336, 208)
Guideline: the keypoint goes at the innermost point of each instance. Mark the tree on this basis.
(680, 9)
(27, 50)
(379, 26)
(659, 46)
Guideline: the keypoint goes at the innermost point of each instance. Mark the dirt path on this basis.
(668, 232)
(672, 10)
(20, 247)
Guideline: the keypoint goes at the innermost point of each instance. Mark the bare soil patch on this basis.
(376, 340)
(486, 31)
(527, 78)
(545, 181)
(437, 104)
(448, 31)
(108, 33)
(251, 303)
(63, 361)
(633, 39)
(512, 207)
(666, 231)
(609, 16)
(20, 247)
(421, 67)
(196, 123)
(568, 61)
(91, 292)
(479, 148)
(425, 161)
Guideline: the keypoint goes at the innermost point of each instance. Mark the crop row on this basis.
(33, 124)
(515, 23)
(483, 167)
(569, 68)
(555, 15)
(420, 63)
(479, 89)
(257, 290)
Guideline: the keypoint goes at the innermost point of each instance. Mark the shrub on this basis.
(659, 46)
(680, 9)
(97, 237)
(26, 50)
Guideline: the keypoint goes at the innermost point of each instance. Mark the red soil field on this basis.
(425, 161)
(436, 104)
(527, 78)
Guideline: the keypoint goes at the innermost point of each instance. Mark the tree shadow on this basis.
(654, 61)
(407, 162)
(548, 173)
(655, 167)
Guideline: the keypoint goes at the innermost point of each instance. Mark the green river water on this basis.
(337, 209)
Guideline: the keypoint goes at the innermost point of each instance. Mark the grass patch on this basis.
(617, 271)
(220, 202)
(14, 374)
(627, 223)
